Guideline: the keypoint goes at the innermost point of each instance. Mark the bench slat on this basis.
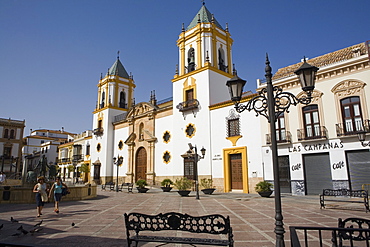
(204, 241)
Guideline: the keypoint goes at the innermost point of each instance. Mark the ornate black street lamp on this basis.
(118, 163)
(270, 103)
(361, 137)
(196, 158)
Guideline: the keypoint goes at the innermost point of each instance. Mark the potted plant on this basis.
(166, 185)
(183, 185)
(141, 183)
(263, 188)
(207, 185)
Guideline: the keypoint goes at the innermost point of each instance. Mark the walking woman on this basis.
(41, 194)
(57, 188)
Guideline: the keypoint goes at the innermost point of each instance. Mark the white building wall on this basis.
(251, 138)
(121, 134)
(161, 168)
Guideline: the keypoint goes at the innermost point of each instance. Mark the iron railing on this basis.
(64, 160)
(353, 127)
(78, 157)
(119, 117)
(318, 132)
(328, 236)
(188, 105)
(98, 131)
(164, 100)
(283, 137)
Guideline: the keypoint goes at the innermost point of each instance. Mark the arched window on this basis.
(88, 149)
(232, 124)
(191, 60)
(122, 100)
(12, 134)
(280, 129)
(311, 121)
(6, 133)
(102, 100)
(351, 115)
(141, 131)
(221, 60)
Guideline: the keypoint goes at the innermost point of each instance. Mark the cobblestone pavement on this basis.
(99, 222)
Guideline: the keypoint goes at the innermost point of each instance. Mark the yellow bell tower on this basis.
(204, 44)
(116, 89)
(115, 98)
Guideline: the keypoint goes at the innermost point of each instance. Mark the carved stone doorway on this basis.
(141, 159)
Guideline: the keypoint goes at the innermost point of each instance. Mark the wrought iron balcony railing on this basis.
(318, 132)
(281, 137)
(98, 131)
(64, 160)
(352, 127)
(188, 105)
(78, 157)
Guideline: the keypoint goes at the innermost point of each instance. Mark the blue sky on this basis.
(53, 52)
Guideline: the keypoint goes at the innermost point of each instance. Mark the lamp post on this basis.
(270, 103)
(361, 137)
(196, 158)
(118, 162)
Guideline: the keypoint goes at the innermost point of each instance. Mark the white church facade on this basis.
(152, 137)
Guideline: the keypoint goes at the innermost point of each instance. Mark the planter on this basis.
(142, 190)
(183, 192)
(208, 191)
(166, 189)
(265, 193)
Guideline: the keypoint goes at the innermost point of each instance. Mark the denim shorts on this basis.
(39, 202)
(57, 197)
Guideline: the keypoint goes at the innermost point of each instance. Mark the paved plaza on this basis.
(99, 222)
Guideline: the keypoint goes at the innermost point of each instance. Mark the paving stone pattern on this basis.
(99, 222)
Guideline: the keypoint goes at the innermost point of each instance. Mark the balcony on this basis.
(64, 160)
(318, 132)
(188, 105)
(282, 137)
(352, 127)
(78, 157)
(98, 131)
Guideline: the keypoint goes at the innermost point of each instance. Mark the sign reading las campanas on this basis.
(315, 147)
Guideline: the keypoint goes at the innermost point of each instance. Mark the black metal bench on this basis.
(209, 224)
(127, 186)
(354, 223)
(344, 195)
(109, 185)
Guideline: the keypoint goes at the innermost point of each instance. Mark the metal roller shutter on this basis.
(317, 173)
(358, 168)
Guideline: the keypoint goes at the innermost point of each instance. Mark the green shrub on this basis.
(141, 183)
(263, 186)
(166, 182)
(183, 183)
(71, 168)
(206, 183)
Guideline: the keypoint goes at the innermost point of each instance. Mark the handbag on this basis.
(65, 192)
(44, 196)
